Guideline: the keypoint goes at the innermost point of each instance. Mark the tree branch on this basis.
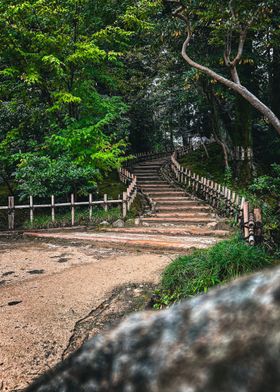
(233, 85)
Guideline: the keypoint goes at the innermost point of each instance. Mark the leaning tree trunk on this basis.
(242, 141)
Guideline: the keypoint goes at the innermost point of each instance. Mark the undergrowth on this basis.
(196, 273)
(81, 218)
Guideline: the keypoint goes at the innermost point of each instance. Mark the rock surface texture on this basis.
(225, 341)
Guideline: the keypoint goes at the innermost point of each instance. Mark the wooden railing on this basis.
(125, 202)
(226, 201)
(131, 192)
(11, 208)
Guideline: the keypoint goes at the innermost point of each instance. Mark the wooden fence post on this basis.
(11, 213)
(105, 202)
(124, 205)
(246, 219)
(31, 209)
(72, 209)
(53, 208)
(251, 226)
(90, 206)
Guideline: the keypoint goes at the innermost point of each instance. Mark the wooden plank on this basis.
(31, 209)
(90, 206)
(11, 213)
(246, 219)
(124, 205)
(53, 208)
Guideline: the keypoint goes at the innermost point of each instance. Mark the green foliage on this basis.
(42, 176)
(196, 273)
(212, 167)
(44, 221)
(62, 74)
(268, 186)
(267, 191)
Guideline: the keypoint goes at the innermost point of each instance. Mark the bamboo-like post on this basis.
(197, 183)
(185, 176)
(31, 209)
(251, 225)
(124, 205)
(215, 194)
(229, 201)
(53, 208)
(72, 209)
(11, 213)
(90, 206)
(106, 202)
(246, 219)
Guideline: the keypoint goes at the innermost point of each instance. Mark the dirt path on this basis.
(53, 296)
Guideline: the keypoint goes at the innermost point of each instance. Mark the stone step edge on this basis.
(178, 231)
(143, 244)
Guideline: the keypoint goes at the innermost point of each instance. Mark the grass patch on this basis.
(81, 219)
(189, 275)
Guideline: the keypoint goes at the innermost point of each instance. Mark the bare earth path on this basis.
(54, 295)
(49, 292)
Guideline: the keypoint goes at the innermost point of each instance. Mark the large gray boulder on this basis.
(225, 341)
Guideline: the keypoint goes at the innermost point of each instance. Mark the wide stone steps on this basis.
(166, 194)
(170, 231)
(184, 214)
(179, 221)
(178, 224)
(168, 202)
(159, 243)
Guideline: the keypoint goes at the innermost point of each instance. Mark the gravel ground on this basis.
(46, 289)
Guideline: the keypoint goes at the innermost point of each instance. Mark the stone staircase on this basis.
(178, 223)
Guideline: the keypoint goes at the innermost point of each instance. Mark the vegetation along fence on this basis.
(221, 198)
(124, 202)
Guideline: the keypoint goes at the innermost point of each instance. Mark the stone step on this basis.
(170, 231)
(149, 182)
(149, 165)
(188, 215)
(171, 198)
(171, 193)
(186, 202)
(151, 187)
(148, 177)
(179, 221)
(184, 208)
(145, 169)
(123, 240)
(148, 173)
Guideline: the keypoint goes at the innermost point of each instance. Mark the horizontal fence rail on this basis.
(221, 198)
(53, 206)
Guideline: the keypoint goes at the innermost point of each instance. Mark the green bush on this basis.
(196, 273)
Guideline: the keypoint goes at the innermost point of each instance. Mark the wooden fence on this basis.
(221, 198)
(131, 192)
(11, 208)
(125, 202)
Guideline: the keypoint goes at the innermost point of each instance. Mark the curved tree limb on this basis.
(233, 85)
